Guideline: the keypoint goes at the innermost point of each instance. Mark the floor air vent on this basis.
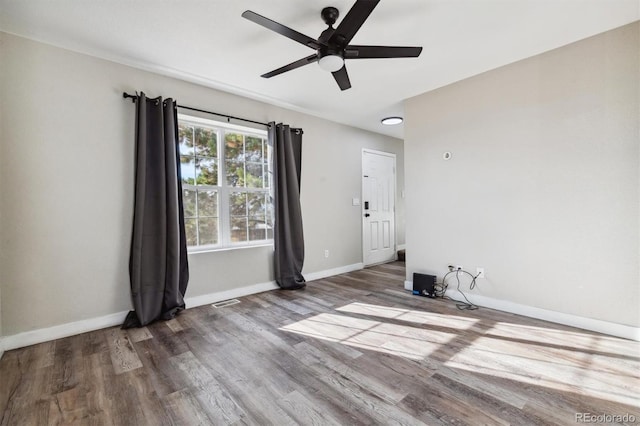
(225, 303)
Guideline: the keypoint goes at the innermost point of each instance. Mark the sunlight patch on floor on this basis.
(400, 340)
(573, 339)
(567, 361)
(597, 376)
(416, 317)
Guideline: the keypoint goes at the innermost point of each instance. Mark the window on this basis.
(226, 184)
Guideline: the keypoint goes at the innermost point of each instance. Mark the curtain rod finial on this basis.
(125, 95)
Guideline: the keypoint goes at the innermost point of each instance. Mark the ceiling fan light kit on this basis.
(332, 47)
(331, 63)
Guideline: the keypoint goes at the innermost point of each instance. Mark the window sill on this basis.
(199, 250)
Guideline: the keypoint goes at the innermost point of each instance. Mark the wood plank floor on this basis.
(350, 349)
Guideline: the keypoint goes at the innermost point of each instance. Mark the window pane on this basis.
(270, 211)
(191, 231)
(208, 230)
(233, 149)
(268, 173)
(206, 171)
(235, 173)
(185, 136)
(256, 204)
(188, 170)
(257, 228)
(268, 183)
(253, 149)
(207, 203)
(268, 152)
(238, 229)
(238, 212)
(238, 204)
(189, 202)
(254, 177)
(206, 142)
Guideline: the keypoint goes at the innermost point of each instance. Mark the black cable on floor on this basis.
(442, 288)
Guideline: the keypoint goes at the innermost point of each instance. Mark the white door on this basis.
(378, 206)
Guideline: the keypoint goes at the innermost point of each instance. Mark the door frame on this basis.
(395, 200)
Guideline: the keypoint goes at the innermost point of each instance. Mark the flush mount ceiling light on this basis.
(391, 121)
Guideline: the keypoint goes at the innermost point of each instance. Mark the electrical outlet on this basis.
(480, 272)
(326, 253)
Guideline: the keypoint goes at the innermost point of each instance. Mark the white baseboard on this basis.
(77, 327)
(219, 296)
(69, 329)
(312, 276)
(401, 247)
(63, 330)
(591, 324)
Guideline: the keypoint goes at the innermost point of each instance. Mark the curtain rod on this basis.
(133, 98)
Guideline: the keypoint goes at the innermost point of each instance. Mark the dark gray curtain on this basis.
(158, 267)
(288, 236)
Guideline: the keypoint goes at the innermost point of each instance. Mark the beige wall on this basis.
(66, 183)
(543, 187)
(2, 219)
(1, 343)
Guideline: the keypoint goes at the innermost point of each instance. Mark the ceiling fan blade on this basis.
(368, 52)
(352, 22)
(281, 29)
(297, 64)
(342, 78)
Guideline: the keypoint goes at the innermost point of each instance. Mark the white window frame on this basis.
(224, 190)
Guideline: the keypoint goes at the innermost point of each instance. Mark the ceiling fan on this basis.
(332, 47)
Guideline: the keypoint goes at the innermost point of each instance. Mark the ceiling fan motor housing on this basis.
(330, 55)
(330, 51)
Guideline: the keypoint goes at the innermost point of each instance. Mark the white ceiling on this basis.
(207, 41)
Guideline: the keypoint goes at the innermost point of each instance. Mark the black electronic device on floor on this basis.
(424, 285)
